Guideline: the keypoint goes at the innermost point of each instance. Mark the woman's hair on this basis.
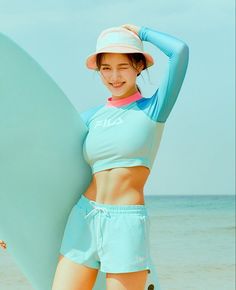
(135, 59)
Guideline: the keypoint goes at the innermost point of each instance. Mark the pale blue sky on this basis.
(196, 155)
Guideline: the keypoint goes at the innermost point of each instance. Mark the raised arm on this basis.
(178, 54)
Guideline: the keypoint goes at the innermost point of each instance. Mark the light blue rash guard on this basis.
(127, 132)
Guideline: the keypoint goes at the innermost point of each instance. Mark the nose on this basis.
(115, 75)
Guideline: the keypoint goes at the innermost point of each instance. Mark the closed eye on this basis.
(120, 68)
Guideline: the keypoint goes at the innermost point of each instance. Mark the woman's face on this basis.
(118, 74)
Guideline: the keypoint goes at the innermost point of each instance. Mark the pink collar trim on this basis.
(124, 101)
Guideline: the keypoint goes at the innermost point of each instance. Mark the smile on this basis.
(117, 85)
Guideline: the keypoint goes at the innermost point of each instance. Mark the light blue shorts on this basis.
(112, 238)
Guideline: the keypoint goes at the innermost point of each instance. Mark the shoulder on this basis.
(87, 114)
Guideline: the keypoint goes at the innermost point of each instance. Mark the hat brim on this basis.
(91, 60)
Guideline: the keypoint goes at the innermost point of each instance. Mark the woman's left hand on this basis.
(131, 27)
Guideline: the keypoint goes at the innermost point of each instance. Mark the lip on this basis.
(118, 85)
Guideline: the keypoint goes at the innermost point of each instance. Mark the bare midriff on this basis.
(121, 186)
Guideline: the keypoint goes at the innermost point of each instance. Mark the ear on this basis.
(140, 67)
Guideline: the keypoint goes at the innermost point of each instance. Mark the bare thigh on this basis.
(126, 281)
(73, 276)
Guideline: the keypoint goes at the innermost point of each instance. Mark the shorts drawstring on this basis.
(97, 209)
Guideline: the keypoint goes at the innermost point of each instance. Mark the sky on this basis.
(197, 152)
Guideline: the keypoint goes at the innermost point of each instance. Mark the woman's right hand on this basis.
(135, 29)
(3, 245)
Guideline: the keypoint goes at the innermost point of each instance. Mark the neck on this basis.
(123, 101)
(127, 94)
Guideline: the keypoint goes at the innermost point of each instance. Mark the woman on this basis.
(108, 228)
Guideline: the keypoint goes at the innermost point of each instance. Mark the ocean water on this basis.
(192, 242)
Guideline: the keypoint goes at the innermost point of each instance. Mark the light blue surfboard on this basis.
(42, 170)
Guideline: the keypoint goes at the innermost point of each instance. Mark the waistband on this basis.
(112, 208)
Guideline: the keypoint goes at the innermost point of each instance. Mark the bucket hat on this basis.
(117, 40)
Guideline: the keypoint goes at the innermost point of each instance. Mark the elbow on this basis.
(184, 49)
(183, 52)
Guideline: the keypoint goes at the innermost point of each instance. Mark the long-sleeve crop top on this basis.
(127, 132)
